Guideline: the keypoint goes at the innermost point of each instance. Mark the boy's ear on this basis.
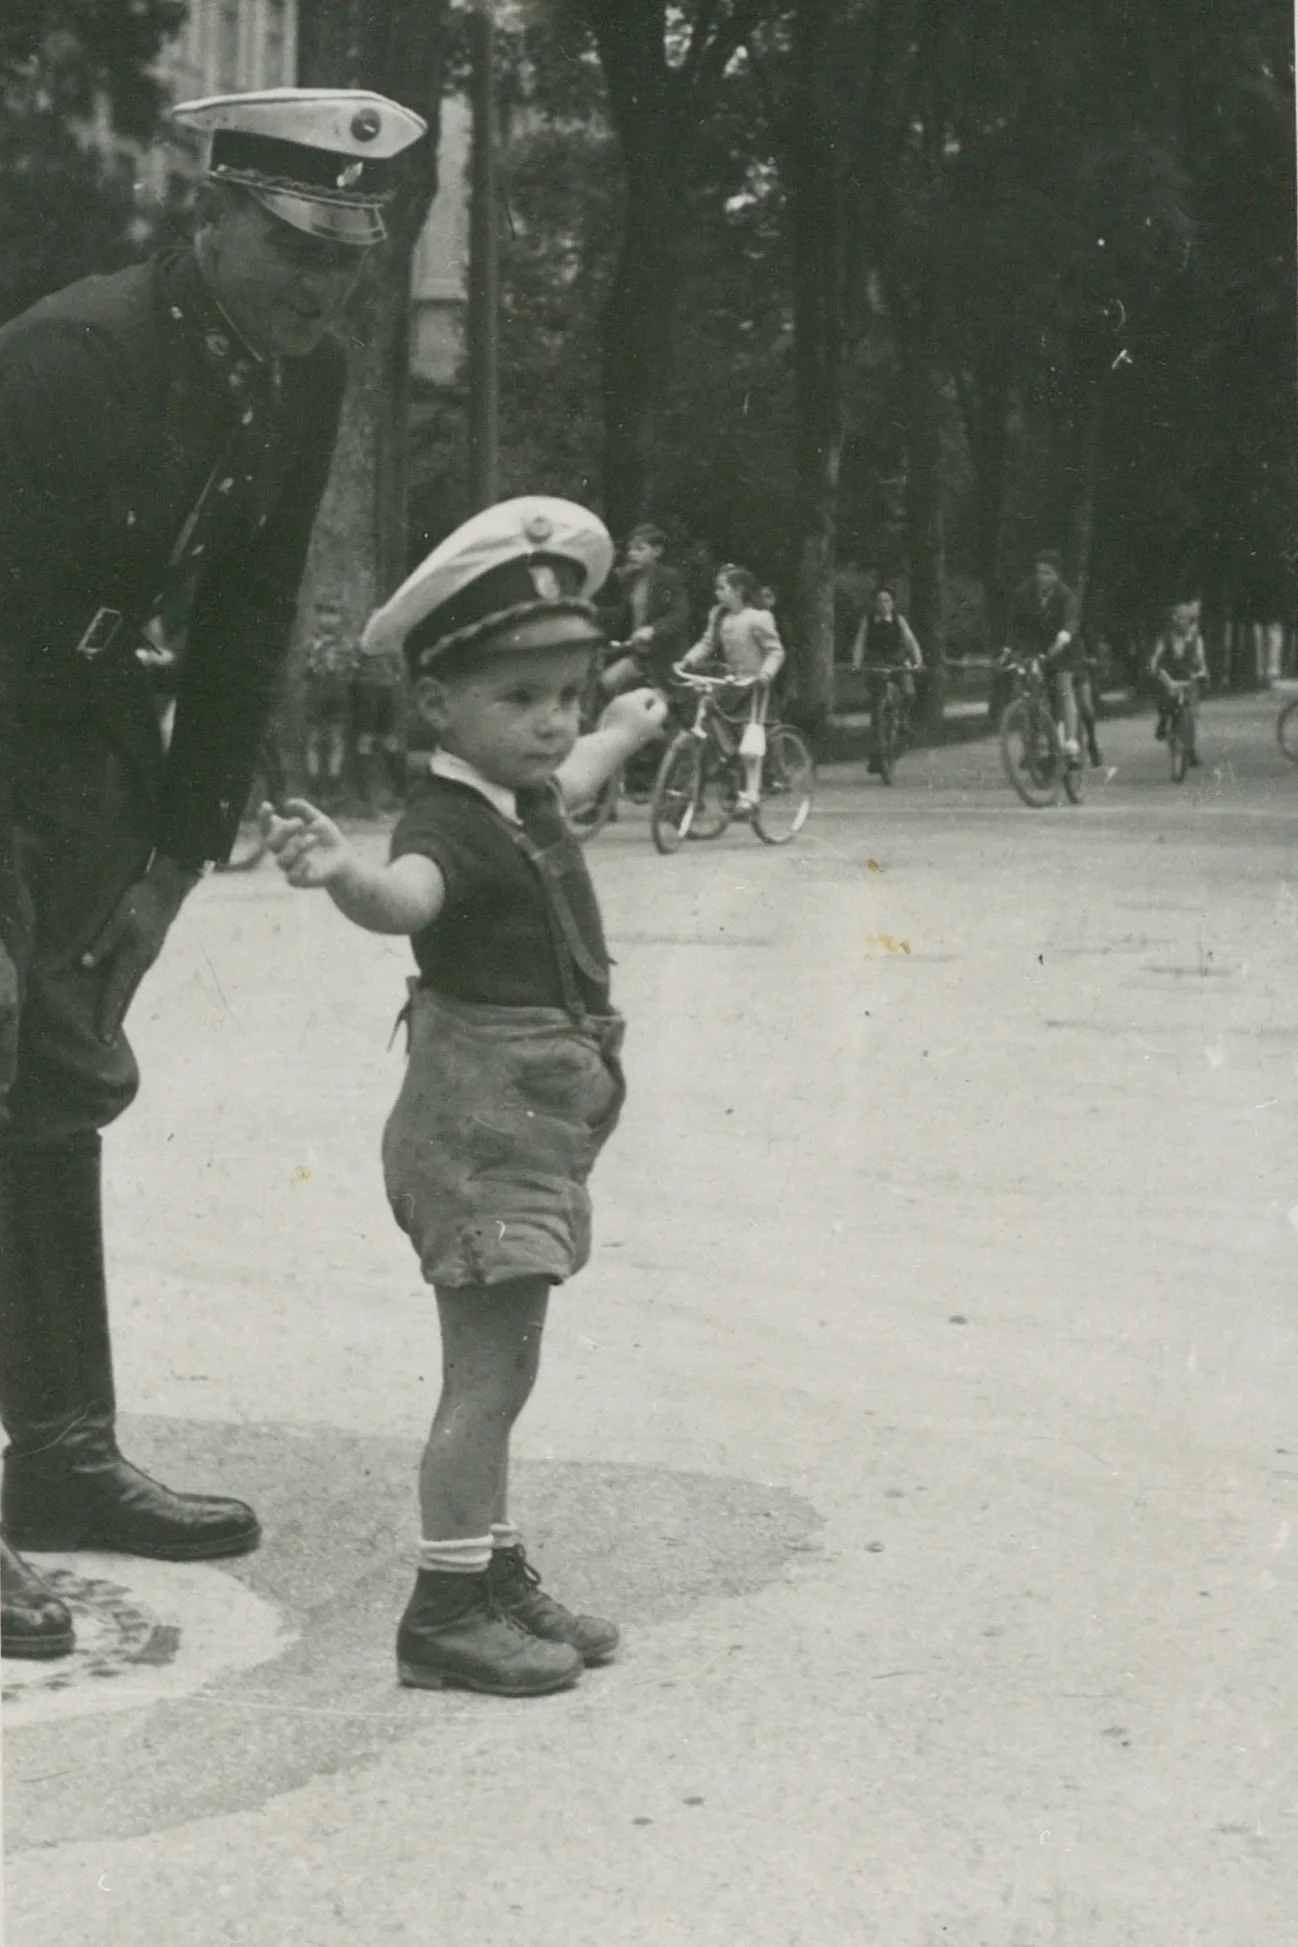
(430, 700)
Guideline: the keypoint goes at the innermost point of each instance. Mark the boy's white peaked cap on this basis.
(512, 530)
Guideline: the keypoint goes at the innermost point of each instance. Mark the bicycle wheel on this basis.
(1074, 775)
(717, 793)
(1286, 730)
(1030, 753)
(592, 818)
(676, 793)
(1178, 748)
(788, 786)
(887, 739)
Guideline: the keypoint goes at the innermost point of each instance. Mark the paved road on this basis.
(927, 1417)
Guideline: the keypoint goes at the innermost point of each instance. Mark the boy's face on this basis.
(640, 552)
(1046, 576)
(514, 718)
(1185, 616)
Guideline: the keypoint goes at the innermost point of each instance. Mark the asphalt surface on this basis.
(926, 1418)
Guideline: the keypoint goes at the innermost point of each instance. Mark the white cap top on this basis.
(509, 533)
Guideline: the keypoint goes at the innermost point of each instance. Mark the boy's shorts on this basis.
(498, 1124)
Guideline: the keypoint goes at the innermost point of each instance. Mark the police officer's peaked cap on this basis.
(520, 576)
(320, 159)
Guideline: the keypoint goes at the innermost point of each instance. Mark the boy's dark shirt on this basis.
(1034, 623)
(491, 944)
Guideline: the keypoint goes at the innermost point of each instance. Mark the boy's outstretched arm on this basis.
(310, 851)
(630, 721)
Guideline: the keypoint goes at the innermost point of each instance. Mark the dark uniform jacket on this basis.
(147, 457)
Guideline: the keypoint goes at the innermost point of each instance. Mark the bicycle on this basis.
(1181, 729)
(586, 820)
(701, 778)
(891, 728)
(1286, 730)
(269, 785)
(1032, 742)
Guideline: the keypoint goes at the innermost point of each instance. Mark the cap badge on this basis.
(366, 124)
(538, 527)
(217, 343)
(544, 580)
(351, 175)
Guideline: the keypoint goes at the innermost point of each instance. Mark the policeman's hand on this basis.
(308, 848)
(131, 939)
(643, 634)
(637, 716)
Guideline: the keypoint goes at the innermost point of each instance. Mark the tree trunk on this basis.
(1082, 474)
(638, 319)
(986, 398)
(815, 214)
(925, 524)
(358, 550)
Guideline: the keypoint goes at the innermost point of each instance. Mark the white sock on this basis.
(468, 1556)
(505, 1535)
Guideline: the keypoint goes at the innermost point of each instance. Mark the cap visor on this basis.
(360, 224)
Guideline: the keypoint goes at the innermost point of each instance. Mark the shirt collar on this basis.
(444, 763)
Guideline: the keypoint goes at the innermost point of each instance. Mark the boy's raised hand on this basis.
(308, 848)
(637, 715)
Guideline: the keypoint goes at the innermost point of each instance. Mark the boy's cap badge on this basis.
(544, 580)
(538, 528)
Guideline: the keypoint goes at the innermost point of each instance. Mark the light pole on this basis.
(484, 267)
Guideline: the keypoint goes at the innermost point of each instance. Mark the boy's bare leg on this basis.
(491, 1353)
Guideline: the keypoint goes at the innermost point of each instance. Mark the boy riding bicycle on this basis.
(1179, 663)
(1043, 622)
(885, 642)
(743, 637)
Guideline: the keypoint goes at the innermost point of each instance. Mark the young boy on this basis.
(1179, 657)
(513, 1080)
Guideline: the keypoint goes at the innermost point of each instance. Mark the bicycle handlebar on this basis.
(694, 681)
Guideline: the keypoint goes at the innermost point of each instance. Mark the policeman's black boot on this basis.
(65, 1483)
(454, 1632)
(33, 1622)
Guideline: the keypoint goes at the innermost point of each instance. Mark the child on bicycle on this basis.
(1179, 659)
(743, 637)
(884, 641)
(513, 1080)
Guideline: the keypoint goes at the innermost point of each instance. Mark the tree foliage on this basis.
(66, 204)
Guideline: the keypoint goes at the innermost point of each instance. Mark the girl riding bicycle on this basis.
(743, 637)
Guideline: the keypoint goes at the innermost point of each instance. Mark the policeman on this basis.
(165, 438)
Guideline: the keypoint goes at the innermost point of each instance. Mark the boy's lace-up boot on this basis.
(455, 1632)
(33, 1622)
(516, 1588)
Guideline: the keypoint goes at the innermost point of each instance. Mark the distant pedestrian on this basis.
(328, 669)
(514, 1081)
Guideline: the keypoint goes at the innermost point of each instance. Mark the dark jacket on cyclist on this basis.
(655, 598)
(1036, 621)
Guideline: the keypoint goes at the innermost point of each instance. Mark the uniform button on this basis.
(198, 547)
(245, 417)
(226, 484)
